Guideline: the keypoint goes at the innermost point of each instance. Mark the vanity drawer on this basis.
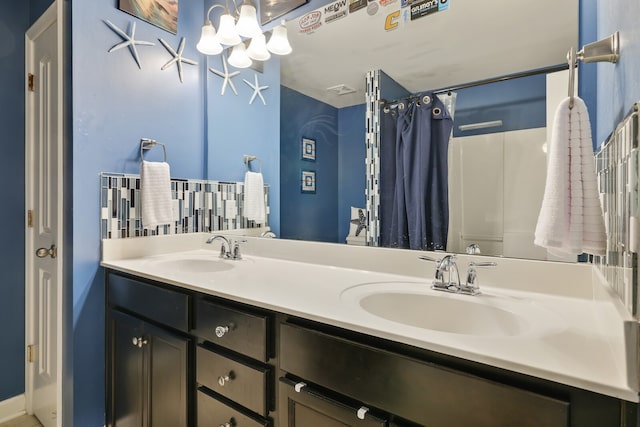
(418, 391)
(238, 330)
(212, 412)
(156, 303)
(246, 384)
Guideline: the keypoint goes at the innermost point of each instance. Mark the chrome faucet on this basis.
(232, 250)
(224, 253)
(451, 282)
(445, 265)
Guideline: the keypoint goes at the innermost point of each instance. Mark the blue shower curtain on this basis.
(414, 199)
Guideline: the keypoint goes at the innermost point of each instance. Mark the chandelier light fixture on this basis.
(243, 35)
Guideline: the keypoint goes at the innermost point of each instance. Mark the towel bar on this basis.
(148, 144)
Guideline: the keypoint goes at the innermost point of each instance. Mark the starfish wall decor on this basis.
(177, 59)
(257, 90)
(128, 40)
(226, 75)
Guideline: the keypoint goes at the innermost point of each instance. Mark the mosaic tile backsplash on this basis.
(373, 159)
(617, 165)
(198, 206)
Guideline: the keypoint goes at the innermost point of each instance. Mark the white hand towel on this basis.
(254, 208)
(155, 194)
(571, 219)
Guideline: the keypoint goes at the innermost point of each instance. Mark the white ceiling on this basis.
(471, 40)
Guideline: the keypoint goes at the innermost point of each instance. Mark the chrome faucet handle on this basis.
(471, 285)
(236, 249)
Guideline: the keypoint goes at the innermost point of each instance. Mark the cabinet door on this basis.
(310, 408)
(127, 372)
(167, 357)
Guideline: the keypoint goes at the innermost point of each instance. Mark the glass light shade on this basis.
(208, 43)
(247, 25)
(239, 57)
(258, 48)
(279, 43)
(227, 33)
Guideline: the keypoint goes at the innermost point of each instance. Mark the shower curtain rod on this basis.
(544, 70)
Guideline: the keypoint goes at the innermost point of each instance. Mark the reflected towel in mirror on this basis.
(254, 207)
(155, 194)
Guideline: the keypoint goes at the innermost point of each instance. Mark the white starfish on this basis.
(226, 75)
(128, 40)
(257, 90)
(177, 57)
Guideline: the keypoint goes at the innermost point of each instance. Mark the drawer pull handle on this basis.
(139, 341)
(223, 330)
(299, 386)
(362, 412)
(230, 423)
(224, 379)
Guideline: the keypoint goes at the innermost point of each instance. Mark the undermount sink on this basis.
(416, 305)
(193, 264)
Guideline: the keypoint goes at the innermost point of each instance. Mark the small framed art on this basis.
(161, 13)
(308, 149)
(307, 181)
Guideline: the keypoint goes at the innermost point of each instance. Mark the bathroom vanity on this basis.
(197, 341)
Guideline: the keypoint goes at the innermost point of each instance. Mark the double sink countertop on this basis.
(555, 321)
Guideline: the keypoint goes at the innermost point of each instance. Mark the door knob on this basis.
(139, 341)
(230, 423)
(44, 252)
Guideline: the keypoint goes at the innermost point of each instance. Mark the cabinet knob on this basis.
(230, 423)
(222, 330)
(139, 341)
(224, 379)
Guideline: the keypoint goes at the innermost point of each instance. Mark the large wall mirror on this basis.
(323, 100)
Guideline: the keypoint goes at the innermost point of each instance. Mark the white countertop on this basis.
(584, 337)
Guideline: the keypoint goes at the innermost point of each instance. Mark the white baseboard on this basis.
(12, 408)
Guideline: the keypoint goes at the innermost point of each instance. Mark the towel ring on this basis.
(148, 144)
(248, 159)
(572, 59)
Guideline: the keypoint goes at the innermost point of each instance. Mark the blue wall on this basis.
(114, 105)
(351, 164)
(618, 86)
(519, 103)
(308, 216)
(14, 21)
(340, 145)
(236, 127)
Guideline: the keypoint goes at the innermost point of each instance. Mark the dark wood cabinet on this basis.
(147, 373)
(234, 364)
(306, 407)
(215, 362)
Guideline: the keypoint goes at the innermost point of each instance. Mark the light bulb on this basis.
(227, 33)
(258, 48)
(208, 43)
(278, 43)
(247, 25)
(239, 57)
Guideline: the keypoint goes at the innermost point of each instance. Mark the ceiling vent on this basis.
(341, 89)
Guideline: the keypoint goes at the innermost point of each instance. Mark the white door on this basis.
(43, 187)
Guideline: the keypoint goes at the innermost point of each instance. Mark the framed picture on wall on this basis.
(307, 181)
(308, 149)
(161, 13)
